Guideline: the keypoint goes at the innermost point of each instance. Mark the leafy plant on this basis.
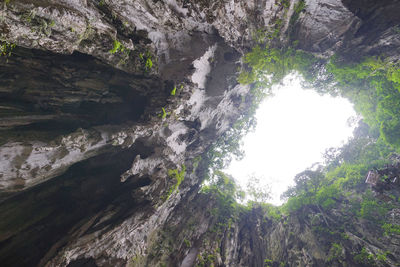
(298, 8)
(117, 47)
(379, 101)
(187, 243)
(6, 49)
(268, 262)
(173, 92)
(391, 228)
(284, 3)
(372, 210)
(179, 176)
(164, 113)
(382, 257)
(364, 257)
(146, 59)
(335, 252)
(149, 63)
(256, 191)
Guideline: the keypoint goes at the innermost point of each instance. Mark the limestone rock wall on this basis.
(89, 127)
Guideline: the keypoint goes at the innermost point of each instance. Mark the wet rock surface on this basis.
(89, 127)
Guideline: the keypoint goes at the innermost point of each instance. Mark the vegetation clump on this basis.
(6, 49)
(298, 8)
(146, 59)
(373, 85)
(117, 47)
(178, 176)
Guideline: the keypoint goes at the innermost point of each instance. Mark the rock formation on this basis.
(101, 99)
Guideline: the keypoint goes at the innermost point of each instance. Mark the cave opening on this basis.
(295, 127)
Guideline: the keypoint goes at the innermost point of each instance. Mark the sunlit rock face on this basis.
(89, 126)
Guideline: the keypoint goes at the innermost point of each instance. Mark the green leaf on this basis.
(173, 92)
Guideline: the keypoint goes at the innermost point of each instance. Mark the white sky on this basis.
(294, 127)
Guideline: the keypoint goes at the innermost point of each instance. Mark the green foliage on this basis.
(335, 252)
(284, 3)
(382, 257)
(272, 212)
(298, 8)
(371, 209)
(327, 195)
(164, 113)
(308, 184)
(173, 92)
(268, 66)
(117, 47)
(379, 99)
(149, 64)
(224, 185)
(179, 176)
(205, 260)
(6, 49)
(223, 190)
(391, 228)
(147, 61)
(364, 257)
(345, 172)
(187, 243)
(256, 191)
(228, 146)
(268, 262)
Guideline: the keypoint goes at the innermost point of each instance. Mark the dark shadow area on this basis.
(83, 263)
(43, 218)
(56, 94)
(376, 15)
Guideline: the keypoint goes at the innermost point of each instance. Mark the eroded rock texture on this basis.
(89, 127)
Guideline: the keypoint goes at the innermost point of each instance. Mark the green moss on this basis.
(382, 256)
(284, 3)
(335, 252)
(117, 47)
(6, 49)
(179, 176)
(298, 8)
(149, 64)
(205, 260)
(364, 257)
(373, 209)
(268, 263)
(379, 101)
(146, 58)
(269, 66)
(173, 92)
(391, 228)
(187, 243)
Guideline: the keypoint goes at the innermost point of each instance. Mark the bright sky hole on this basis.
(294, 128)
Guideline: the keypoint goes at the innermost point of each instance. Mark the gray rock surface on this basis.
(89, 128)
